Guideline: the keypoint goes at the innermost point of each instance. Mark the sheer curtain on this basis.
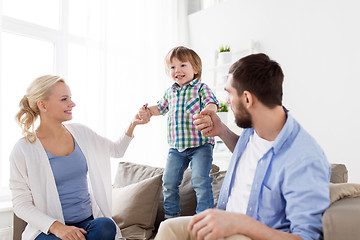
(110, 52)
(139, 38)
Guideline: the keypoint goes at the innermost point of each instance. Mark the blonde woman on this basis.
(60, 173)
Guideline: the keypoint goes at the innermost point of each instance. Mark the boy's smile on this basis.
(181, 72)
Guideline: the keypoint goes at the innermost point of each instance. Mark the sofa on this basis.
(138, 202)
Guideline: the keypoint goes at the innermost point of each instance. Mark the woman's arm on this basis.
(137, 120)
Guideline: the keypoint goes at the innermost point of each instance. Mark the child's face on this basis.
(181, 72)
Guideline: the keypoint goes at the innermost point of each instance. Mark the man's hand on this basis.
(67, 232)
(208, 123)
(213, 224)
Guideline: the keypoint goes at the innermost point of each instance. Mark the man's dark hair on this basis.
(260, 75)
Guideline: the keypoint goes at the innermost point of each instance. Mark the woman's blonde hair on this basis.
(184, 54)
(29, 111)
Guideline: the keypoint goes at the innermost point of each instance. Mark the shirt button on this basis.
(261, 162)
(223, 203)
(250, 208)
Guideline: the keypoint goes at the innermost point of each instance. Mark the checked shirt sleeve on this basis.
(207, 96)
(163, 104)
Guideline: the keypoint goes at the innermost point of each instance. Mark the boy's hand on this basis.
(144, 113)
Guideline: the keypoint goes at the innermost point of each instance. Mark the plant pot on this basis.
(224, 57)
(223, 116)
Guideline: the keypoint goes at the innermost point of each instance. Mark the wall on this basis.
(317, 45)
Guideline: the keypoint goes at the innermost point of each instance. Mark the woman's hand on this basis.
(67, 232)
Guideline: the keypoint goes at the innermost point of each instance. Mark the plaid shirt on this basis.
(182, 103)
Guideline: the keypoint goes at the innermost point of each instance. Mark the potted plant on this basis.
(223, 112)
(224, 54)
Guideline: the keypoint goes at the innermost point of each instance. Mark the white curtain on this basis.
(111, 52)
(127, 70)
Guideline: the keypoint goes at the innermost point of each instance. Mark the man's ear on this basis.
(248, 99)
(41, 105)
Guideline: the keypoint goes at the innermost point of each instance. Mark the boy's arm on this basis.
(154, 111)
(211, 107)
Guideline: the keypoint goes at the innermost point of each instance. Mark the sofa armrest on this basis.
(341, 220)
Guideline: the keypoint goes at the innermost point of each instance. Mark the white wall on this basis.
(317, 43)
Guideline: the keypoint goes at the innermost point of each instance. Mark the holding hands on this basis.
(144, 113)
(143, 116)
(208, 123)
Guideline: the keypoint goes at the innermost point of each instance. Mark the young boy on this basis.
(186, 97)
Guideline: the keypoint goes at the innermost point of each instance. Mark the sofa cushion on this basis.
(343, 190)
(129, 173)
(218, 178)
(135, 207)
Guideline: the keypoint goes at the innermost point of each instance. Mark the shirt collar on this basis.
(285, 132)
(191, 83)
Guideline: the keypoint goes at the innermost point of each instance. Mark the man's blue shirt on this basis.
(290, 191)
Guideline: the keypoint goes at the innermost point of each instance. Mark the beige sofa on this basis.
(138, 202)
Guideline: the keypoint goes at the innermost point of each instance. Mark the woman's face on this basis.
(59, 105)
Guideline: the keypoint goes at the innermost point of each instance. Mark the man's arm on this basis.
(213, 224)
(210, 125)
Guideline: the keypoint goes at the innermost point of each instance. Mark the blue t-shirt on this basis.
(70, 173)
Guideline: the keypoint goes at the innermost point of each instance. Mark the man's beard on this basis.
(243, 117)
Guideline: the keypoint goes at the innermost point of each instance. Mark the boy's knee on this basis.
(201, 181)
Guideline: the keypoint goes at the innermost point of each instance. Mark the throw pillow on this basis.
(129, 173)
(135, 206)
(342, 190)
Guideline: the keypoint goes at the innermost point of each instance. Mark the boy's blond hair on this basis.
(184, 54)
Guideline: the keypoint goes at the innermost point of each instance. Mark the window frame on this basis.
(61, 38)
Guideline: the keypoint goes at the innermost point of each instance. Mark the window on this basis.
(21, 57)
(111, 54)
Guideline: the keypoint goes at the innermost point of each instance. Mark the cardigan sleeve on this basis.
(22, 197)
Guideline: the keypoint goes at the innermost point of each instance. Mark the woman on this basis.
(60, 174)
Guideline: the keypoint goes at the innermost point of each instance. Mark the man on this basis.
(277, 183)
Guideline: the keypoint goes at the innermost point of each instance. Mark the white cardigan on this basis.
(34, 193)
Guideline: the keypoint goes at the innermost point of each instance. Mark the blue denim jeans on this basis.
(200, 159)
(99, 228)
